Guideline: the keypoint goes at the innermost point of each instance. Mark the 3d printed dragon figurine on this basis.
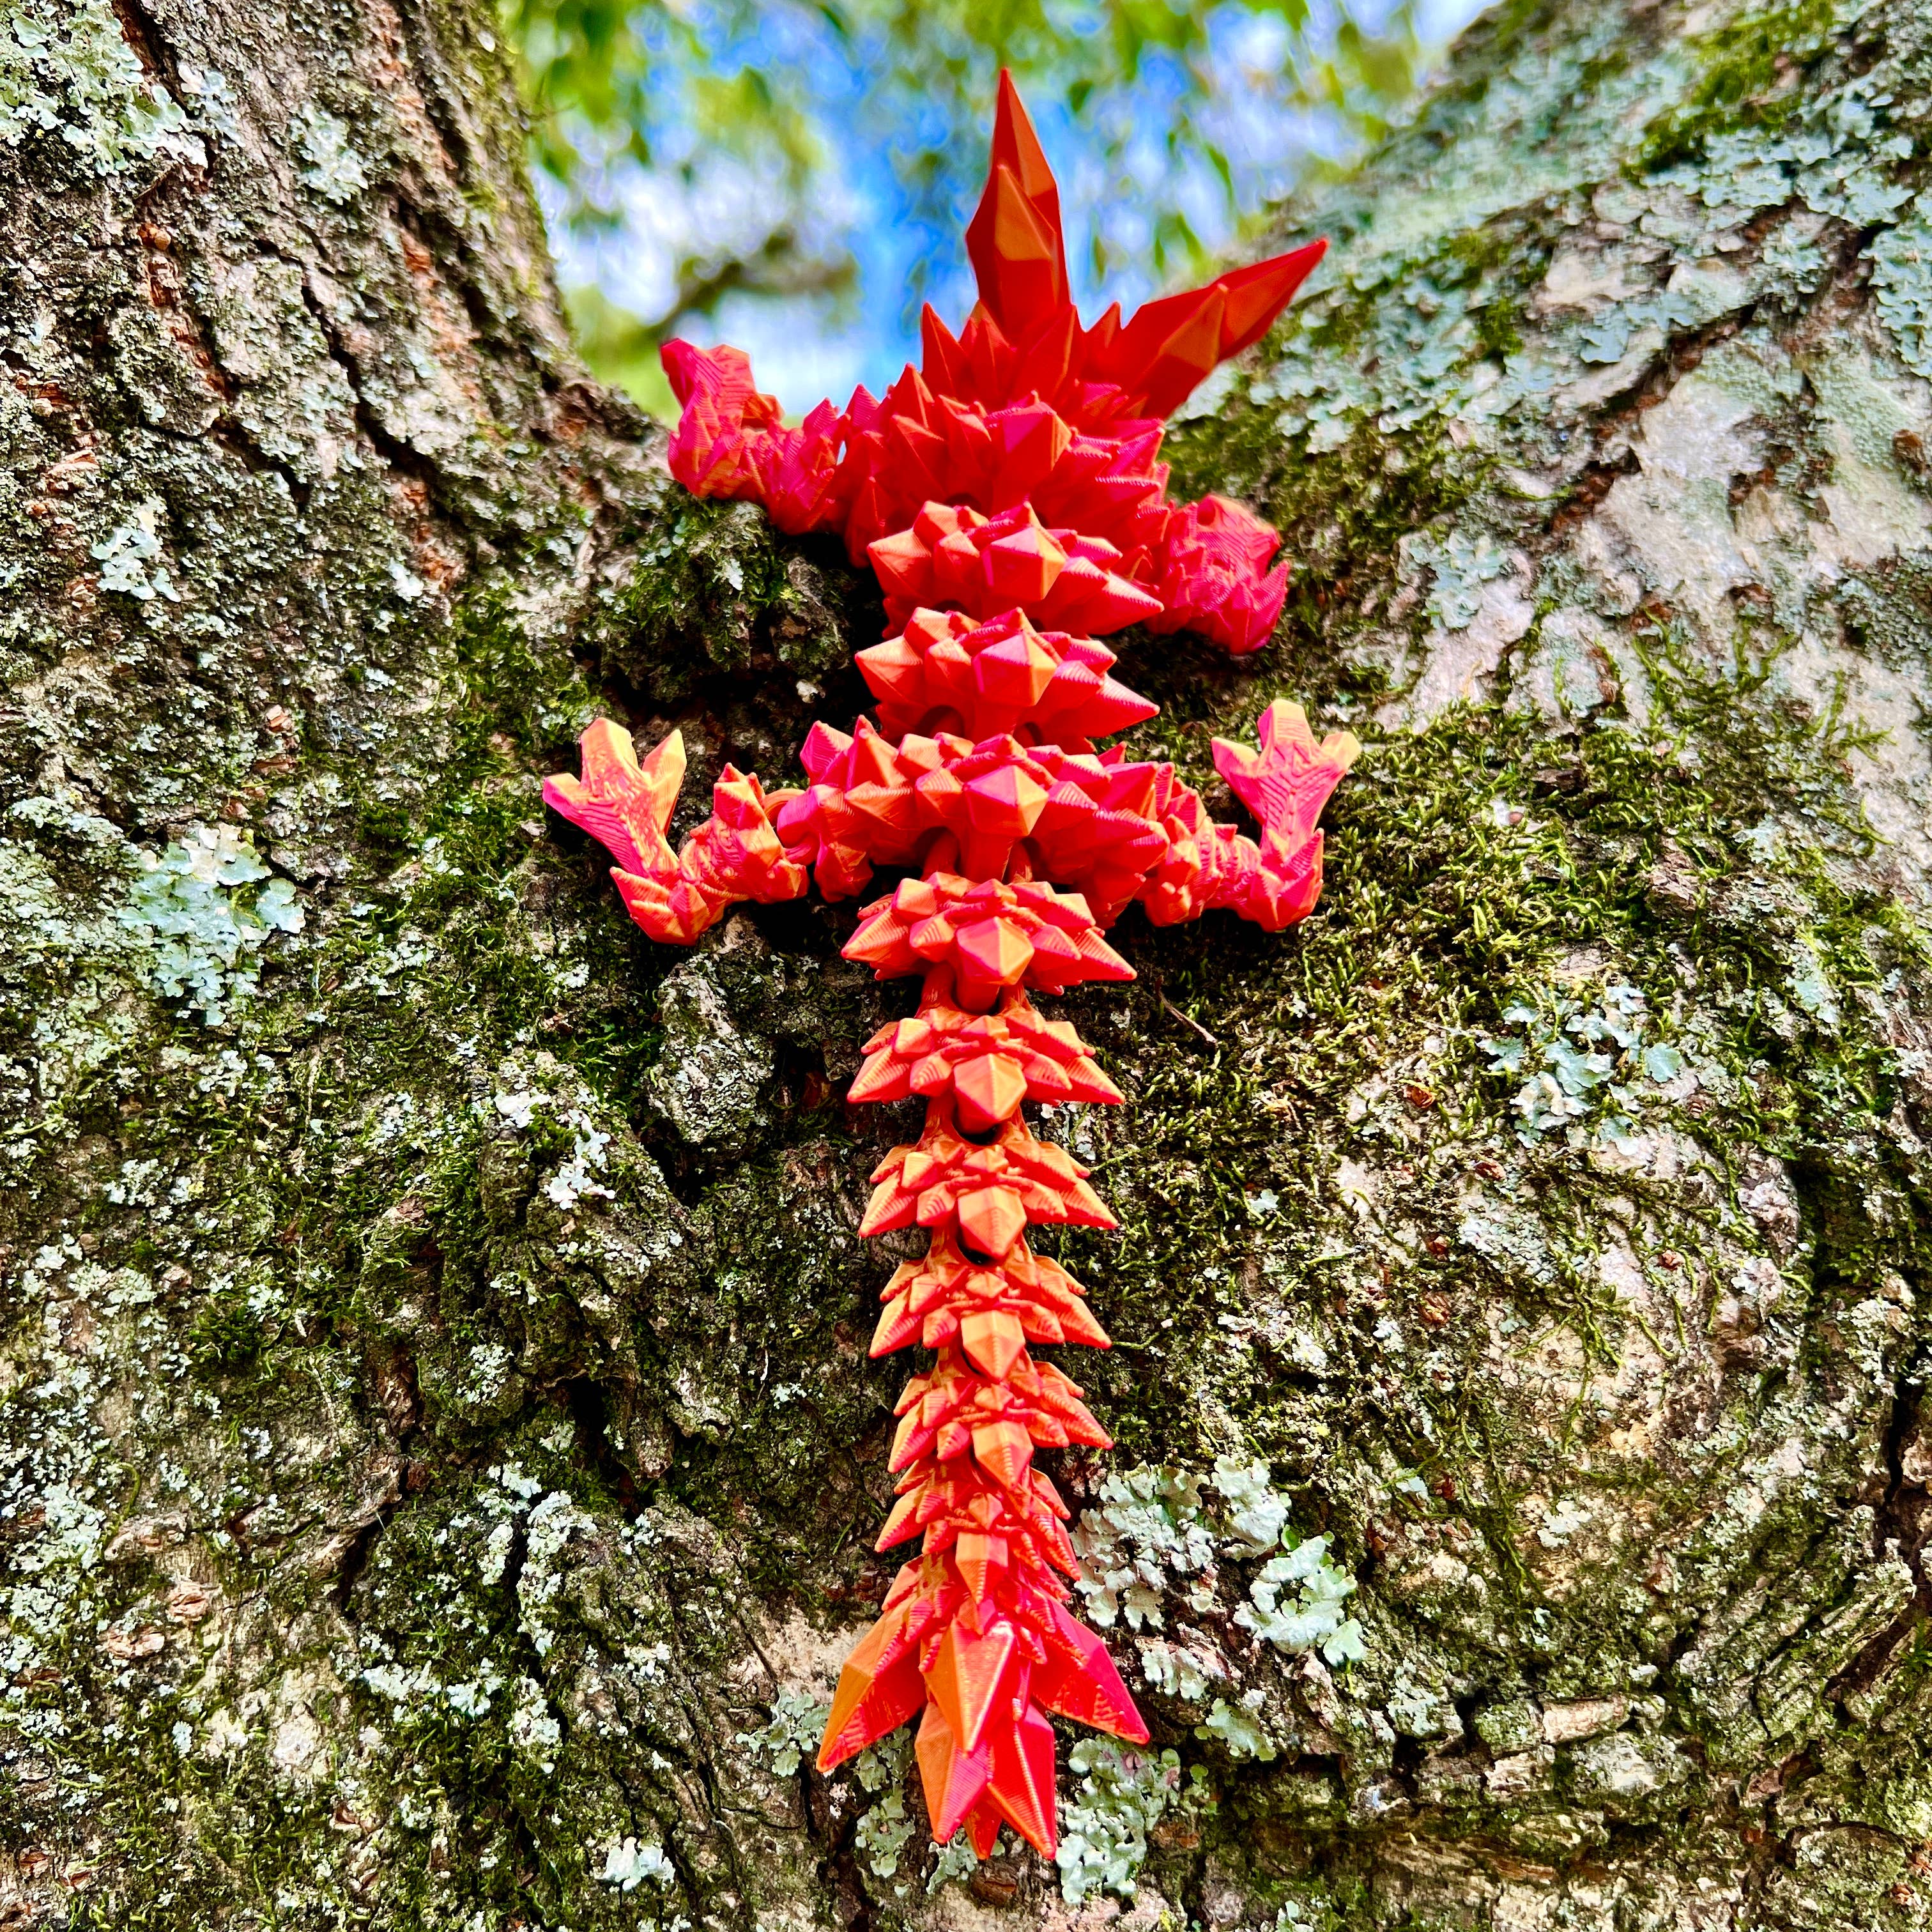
(1007, 496)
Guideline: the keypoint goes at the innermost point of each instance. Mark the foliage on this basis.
(873, 114)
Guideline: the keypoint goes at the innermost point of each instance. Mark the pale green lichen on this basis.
(576, 1180)
(1835, 155)
(885, 1829)
(797, 1724)
(883, 1833)
(1155, 1553)
(79, 79)
(1902, 278)
(1122, 1793)
(129, 556)
(1593, 1068)
(954, 1862)
(1145, 1524)
(1414, 319)
(1150, 1534)
(1238, 1729)
(206, 930)
(1314, 1618)
(1458, 567)
(883, 1763)
(338, 173)
(630, 1862)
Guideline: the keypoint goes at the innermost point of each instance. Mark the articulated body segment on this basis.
(998, 812)
(1008, 498)
(976, 1635)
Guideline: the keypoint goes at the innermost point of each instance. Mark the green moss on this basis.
(226, 1334)
(717, 602)
(1748, 75)
(1341, 515)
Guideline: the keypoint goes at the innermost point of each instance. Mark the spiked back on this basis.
(1008, 496)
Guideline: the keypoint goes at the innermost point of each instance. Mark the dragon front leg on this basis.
(737, 853)
(1285, 784)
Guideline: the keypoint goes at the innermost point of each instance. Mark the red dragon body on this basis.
(1008, 496)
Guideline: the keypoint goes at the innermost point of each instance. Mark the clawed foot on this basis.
(735, 855)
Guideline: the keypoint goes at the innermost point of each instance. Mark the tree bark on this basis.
(441, 1455)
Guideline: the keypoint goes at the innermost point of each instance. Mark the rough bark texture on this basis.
(439, 1451)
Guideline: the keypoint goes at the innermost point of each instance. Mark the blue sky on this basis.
(805, 348)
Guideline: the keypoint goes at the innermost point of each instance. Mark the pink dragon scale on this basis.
(1008, 496)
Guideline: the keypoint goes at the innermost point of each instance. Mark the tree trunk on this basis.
(441, 1456)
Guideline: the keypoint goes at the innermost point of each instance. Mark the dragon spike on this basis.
(1257, 294)
(1014, 238)
(983, 1827)
(879, 1689)
(1165, 348)
(1081, 1682)
(967, 1674)
(1021, 1786)
(954, 1779)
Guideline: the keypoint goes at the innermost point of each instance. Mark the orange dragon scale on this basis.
(1008, 496)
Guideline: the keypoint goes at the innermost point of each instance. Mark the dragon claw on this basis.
(626, 804)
